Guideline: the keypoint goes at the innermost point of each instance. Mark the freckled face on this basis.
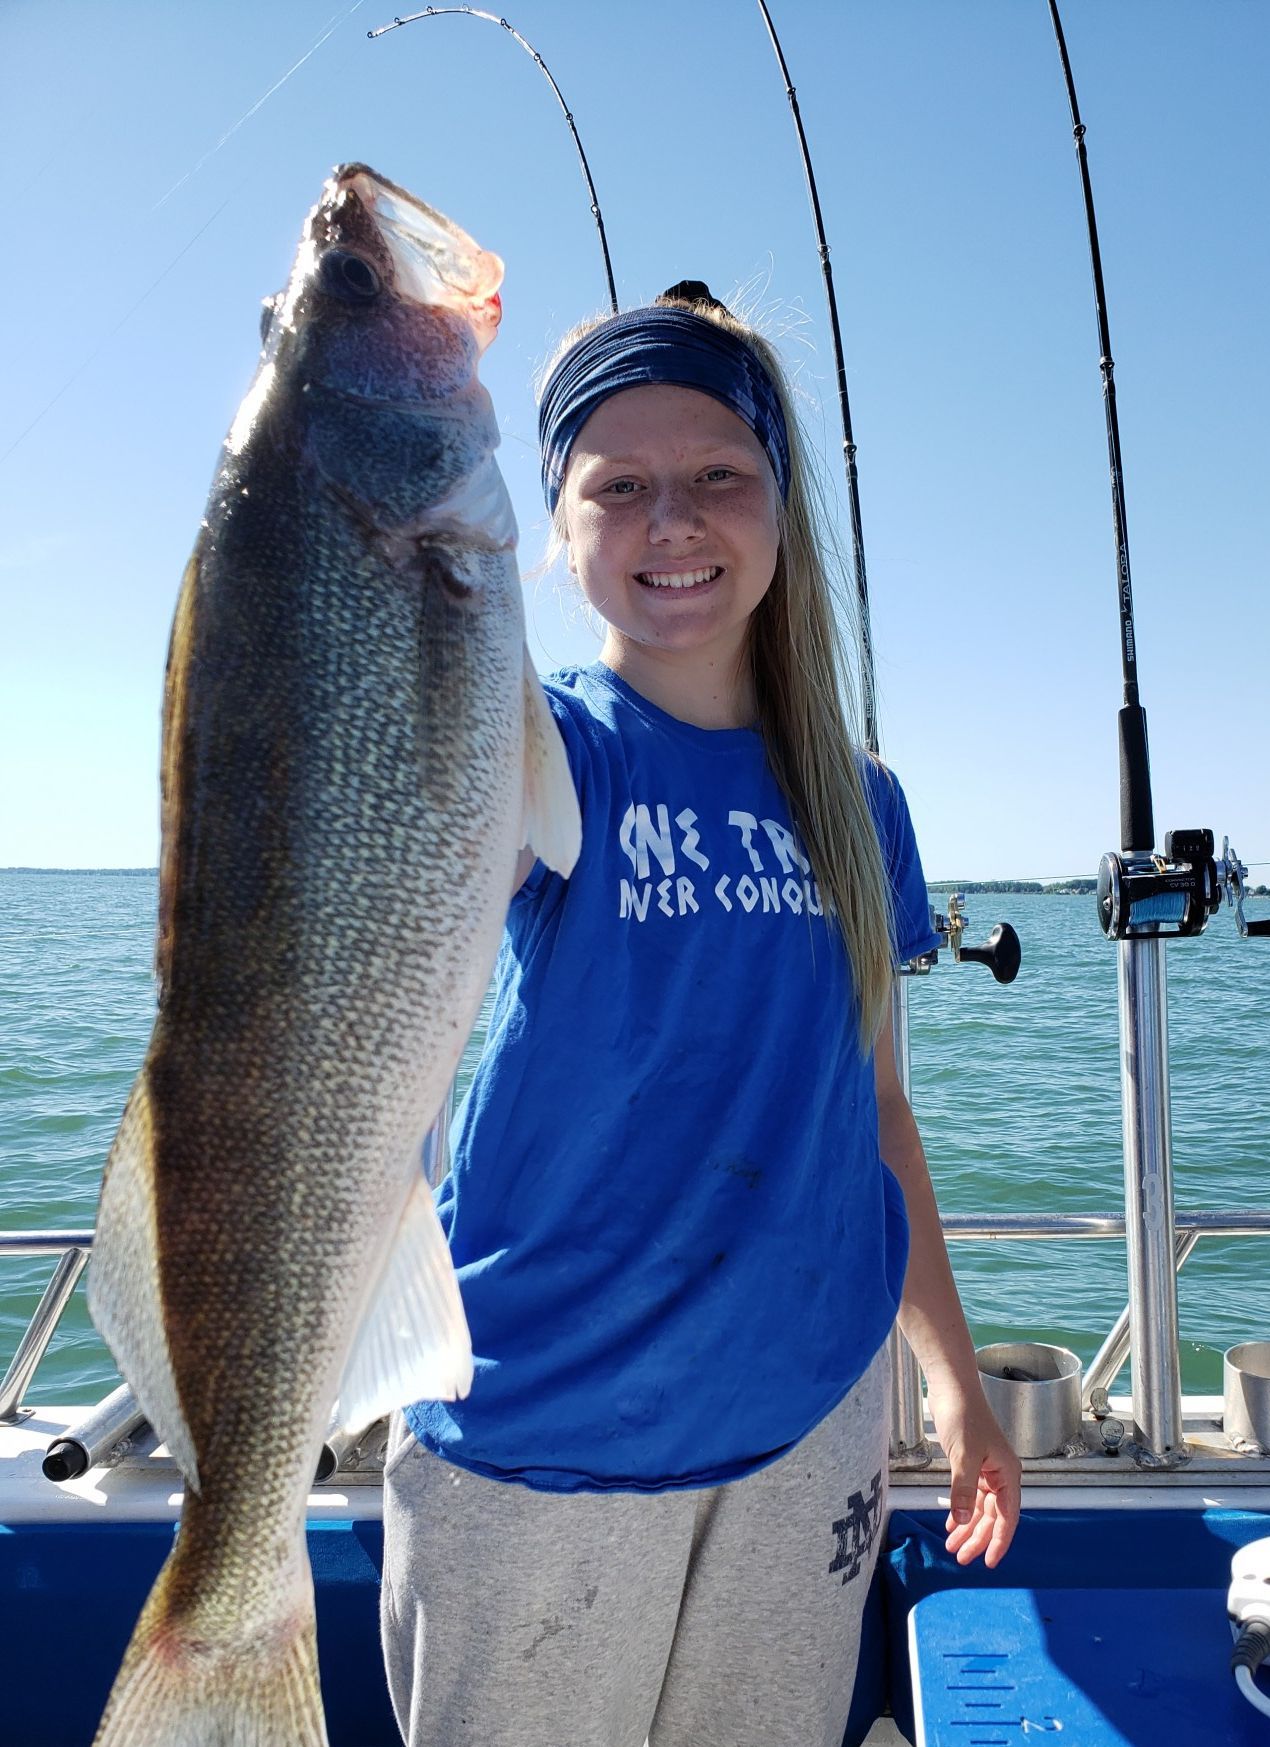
(671, 513)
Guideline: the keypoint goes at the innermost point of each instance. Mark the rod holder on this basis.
(103, 1438)
(341, 1448)
(1246, 1397)
(1034, 1392)
(1149, 1223)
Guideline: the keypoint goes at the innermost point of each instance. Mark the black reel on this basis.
(1173, 894)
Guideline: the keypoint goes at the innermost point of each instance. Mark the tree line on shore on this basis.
(1043, 888)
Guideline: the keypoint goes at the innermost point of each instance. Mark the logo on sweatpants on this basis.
(857, 1530)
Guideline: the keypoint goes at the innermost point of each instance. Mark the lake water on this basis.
(1016, 1091)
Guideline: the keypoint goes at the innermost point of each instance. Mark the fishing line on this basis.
(869, 700)
(1137, 825)
(532, 52)
(331, 27)
(123, 320)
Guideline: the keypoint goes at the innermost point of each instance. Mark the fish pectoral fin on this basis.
(413, 1344)
(125, 1295)
(551, 824)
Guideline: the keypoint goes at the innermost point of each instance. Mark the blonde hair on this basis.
(805, 699)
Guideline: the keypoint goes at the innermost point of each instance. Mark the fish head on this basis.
(371, 349)
(372, 248)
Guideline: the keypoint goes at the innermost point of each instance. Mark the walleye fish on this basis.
(355, 748)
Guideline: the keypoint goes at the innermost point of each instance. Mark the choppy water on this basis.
(1016, 1091)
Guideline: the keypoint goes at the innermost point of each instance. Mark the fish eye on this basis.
(348, 277)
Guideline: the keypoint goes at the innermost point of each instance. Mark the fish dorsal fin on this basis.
(124, 1293)
(552, 824)
(180, 655)
(413, 1344)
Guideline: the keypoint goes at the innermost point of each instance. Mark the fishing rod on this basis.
(1143, 900)
(868, 679)
(532, 52)
(1177, 892)
(1002, 952)
(1137, 825)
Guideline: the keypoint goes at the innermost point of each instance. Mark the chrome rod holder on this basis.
(909, 1448)
(349, 1447)
(1148, 1181)
(39, 1333)
(101, 1439)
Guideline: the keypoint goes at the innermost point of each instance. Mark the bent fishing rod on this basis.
(868, 683)
(532, 52)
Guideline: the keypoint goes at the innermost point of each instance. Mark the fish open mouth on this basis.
(434, 260)
(679, 579)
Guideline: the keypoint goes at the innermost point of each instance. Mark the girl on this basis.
(686, 1181)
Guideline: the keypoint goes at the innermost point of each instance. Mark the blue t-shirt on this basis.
(677, 1244)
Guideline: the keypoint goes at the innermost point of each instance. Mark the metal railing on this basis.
(1189, 1225)
(72, 1248)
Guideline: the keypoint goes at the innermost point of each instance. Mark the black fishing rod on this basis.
(868, 680)
(1141, 892)
(532, 52)
(1137, 822)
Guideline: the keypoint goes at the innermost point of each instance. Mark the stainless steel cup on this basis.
(1034, 1390)
(1246, 1394)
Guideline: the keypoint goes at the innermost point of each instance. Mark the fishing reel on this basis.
(1001, 951)
(1172, 895)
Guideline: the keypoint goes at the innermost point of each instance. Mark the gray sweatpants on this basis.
(724, 1617)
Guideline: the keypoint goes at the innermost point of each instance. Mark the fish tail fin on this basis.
(181, 1685)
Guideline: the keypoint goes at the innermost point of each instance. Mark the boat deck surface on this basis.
(77, 1559)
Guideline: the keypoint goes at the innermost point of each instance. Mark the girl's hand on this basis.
(986, 1475)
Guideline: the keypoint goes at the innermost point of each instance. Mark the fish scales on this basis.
(349, 724)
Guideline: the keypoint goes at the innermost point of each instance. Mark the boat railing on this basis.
(72, 1250)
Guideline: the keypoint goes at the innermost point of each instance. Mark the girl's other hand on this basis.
(987, 1478)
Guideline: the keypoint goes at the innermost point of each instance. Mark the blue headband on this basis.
(658, 344)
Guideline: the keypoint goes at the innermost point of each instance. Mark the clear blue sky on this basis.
(943, 150)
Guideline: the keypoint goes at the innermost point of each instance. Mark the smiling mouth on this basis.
(678, 578)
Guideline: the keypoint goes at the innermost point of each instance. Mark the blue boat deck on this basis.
(1109, 1611)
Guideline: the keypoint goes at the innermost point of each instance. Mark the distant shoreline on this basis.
(1080, 888)
(1051, 889)
(132, 872)
(1077, 888)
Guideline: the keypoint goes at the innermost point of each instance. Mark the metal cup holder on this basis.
(1034, 1391)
